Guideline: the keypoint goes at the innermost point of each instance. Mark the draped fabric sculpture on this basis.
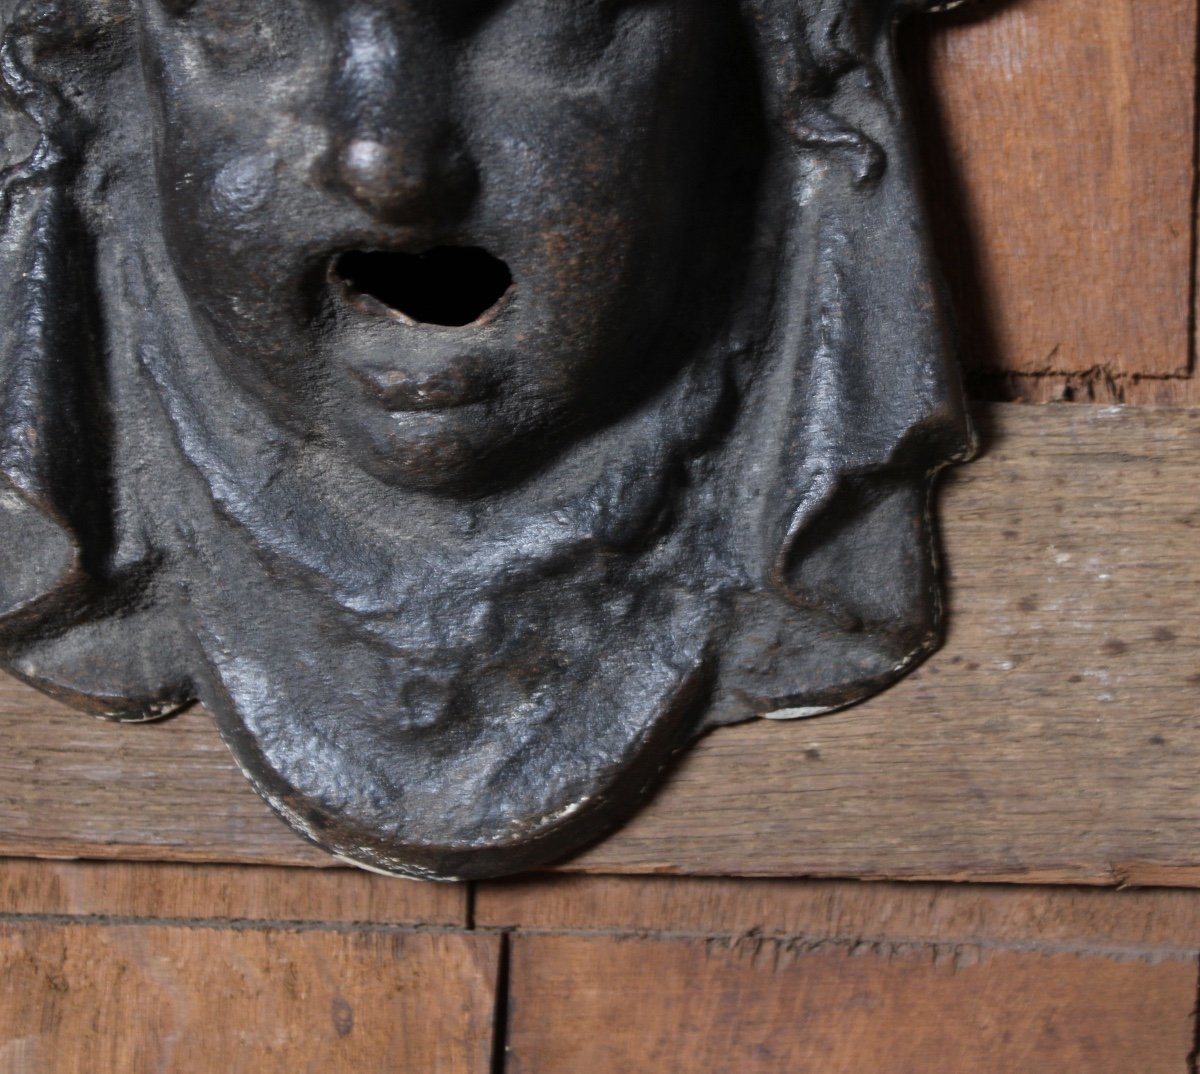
(469, 401)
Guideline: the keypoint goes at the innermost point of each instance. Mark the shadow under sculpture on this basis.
(469, 401)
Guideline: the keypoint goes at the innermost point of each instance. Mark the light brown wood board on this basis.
(760, 1006)
(178, 891)
(1055, 738)
(1058, 141)
(101, 999)
(1130, 923)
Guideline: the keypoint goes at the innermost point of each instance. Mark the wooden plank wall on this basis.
(112, 968)
(1059, 137)
(1058, 713)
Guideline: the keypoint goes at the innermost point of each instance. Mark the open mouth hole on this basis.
(448, 285)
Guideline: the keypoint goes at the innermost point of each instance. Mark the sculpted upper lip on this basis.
(458, 383)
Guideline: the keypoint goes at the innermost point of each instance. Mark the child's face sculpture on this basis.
(432, 229)
(482, 398)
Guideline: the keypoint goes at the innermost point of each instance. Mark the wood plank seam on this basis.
(754, 942)
(750, 940)
(501, 1016)
(1100, 387)
(777, 952)
(237, 924)
(1100, 372)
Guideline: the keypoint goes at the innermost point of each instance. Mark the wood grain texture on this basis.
(1094, 386)
(224, 892)
(1058, 141)
(74, 786)
(1055, 738)
(84, 999)
(695, 1005)
(1056, 735)
(1147, 923)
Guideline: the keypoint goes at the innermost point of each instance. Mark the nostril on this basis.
(448, 285)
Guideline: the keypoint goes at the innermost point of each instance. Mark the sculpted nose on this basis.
(404, 177)
(395, 147)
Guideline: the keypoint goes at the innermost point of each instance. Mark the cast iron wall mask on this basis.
(469, 401)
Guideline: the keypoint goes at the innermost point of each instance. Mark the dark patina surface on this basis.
(470, 401)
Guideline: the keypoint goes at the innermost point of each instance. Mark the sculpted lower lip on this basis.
(458, 384)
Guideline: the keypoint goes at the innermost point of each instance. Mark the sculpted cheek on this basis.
(242, 187)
